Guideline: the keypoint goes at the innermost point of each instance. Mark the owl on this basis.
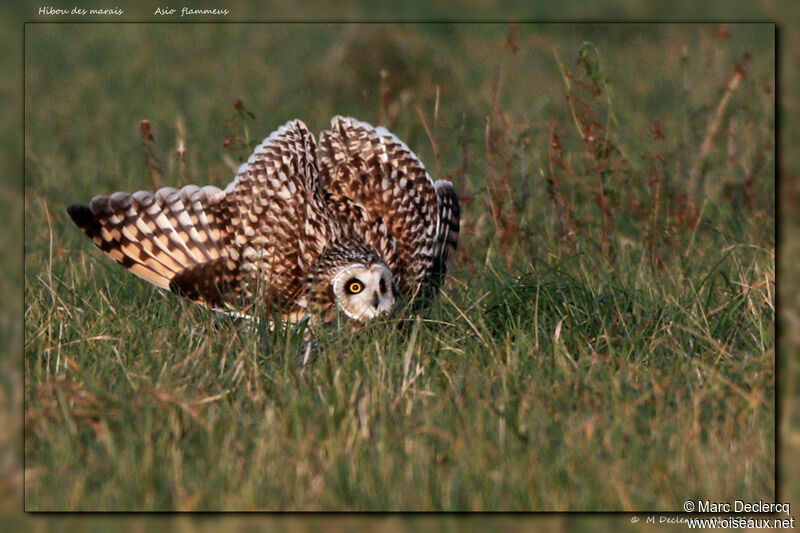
(350, 225)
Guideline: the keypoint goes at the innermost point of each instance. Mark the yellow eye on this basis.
(354, 287)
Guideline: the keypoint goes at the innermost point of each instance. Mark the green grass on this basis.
(605, 340)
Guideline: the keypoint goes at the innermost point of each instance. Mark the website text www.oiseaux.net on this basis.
(740, 522)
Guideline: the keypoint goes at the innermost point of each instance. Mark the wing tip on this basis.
(294, 126)
(83, 217)
(443, 184)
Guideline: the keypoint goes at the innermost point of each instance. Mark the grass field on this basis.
(606, 338)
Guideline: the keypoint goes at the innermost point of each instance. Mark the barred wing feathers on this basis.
(157, 237)
(449, 218)
(276, 212)
(207, 244)
(382, 190)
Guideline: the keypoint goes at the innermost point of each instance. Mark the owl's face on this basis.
(364, 291)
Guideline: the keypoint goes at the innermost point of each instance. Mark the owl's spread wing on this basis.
(208, 244)
(165, 238)
(275, 211)
(380, 188)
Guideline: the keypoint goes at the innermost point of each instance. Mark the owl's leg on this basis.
(310, 345)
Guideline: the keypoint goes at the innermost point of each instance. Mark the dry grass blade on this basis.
(700, 167)
(151, 158)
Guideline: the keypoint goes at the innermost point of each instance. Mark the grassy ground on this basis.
(605, 341)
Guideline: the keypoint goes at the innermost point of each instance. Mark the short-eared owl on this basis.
(352, 225)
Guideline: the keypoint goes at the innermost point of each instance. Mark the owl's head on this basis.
(364, 291)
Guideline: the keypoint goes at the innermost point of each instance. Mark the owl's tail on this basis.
(170, 238)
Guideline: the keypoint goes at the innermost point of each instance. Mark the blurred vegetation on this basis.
(607, 333)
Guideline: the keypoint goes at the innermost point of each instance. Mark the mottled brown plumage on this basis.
(296, 229)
